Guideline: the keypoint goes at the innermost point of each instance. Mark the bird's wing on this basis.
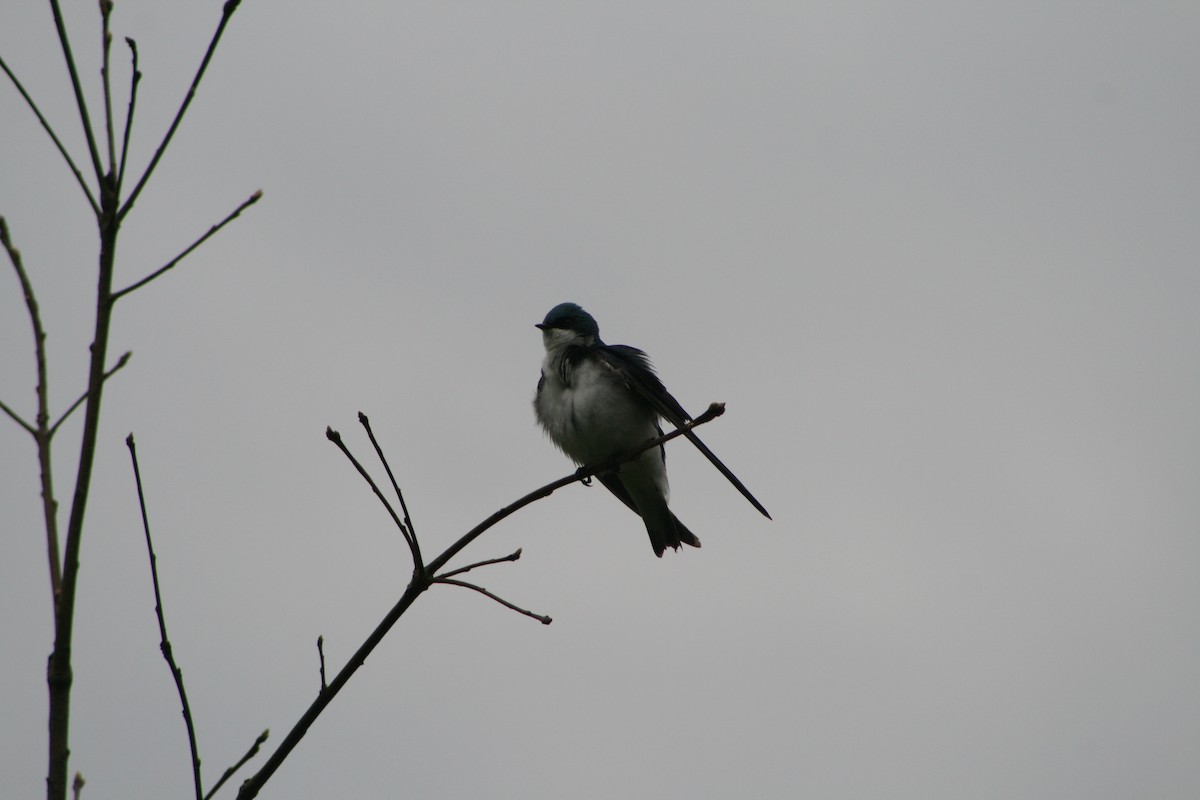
(634, 367)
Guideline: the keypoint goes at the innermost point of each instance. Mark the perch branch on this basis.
(165, 644)
(254, 198)
(421, 581)
(452, 582)
(226, 12)
(715, 410)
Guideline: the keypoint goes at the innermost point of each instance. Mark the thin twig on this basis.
(106, 8)
(91, 198)
(165, 644)
(121, 362)
(77, 786)
(133, 87)
(510, 557)
(452, 582)
(80, 101)
(254, 198)
(41, 434)
(321, 657)
(226, 12)
(251, 753)
(336, 438)
(17, 419)
(410, 533)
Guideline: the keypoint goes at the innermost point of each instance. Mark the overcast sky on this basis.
(940, 260)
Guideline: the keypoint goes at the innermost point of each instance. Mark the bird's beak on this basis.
(539, 326)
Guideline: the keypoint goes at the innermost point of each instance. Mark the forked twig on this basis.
(422, 580)
(165, 644)
(40, 432)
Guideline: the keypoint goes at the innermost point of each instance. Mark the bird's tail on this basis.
(669, 532)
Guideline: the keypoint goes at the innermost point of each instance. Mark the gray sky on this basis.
(938, 258)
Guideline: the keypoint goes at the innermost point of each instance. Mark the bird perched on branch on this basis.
(597, 400)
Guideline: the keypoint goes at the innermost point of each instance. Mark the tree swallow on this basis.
(596, 400)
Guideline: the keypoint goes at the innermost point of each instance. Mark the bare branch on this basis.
(252, 785)
(133, 87)
(41, 434)
(254, 198)
(452, 582)
(336, 438)
(91, 198)
(421, 581)
(251, 753)
(17, 418)
(79, 98)
(121, 362)
(165, 644)
(106, 8)
(226, 12)
(510, 557)
(410, 533)
(321, 657)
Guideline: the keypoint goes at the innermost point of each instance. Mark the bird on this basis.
(596, 400)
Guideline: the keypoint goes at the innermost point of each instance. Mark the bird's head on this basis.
(568, 324)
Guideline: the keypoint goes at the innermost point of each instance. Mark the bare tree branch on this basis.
(321, 658)
(336, 438)
(41, 434)
(422, 580)
(510, 557)
(121, 362)
(133, 87)
(226, 12)
(165, 644)
(251, 753)
(87, 192)
(410, 533)
(254, 198)
(453, 582)
(106, 8)
(17, 418)
(80, 101)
